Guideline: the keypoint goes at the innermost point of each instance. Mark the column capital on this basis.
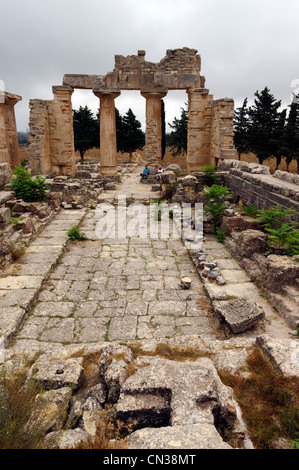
(153, 94)
(107, 92)
(9, 98)
(58, 89)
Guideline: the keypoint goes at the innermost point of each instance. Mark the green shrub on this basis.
(216, 204)
(75, 234)
(220, 234)
(279, 238)
(210, 175)
(274, 218)
(27, 188)
(283, 233)
(250, 210)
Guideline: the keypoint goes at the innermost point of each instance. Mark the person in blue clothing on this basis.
(145, 173)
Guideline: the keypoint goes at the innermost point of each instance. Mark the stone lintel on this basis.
(77, 80)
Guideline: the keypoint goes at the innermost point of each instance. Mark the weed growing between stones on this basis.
(173, 353)
(250, 210)
(269, 401)
(110, 433)
(75, 234)
(17, 429)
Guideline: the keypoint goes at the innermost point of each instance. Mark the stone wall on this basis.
(51, 134)
(254, 185)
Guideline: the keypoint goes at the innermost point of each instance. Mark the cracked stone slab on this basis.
(283, 354)
(196, 436)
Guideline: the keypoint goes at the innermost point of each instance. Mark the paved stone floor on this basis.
(110, 289)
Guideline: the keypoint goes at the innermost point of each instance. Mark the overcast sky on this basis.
(244, 45)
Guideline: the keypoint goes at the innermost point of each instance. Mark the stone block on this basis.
(235, 223)
(163, 390)
(250, 242)
(283, 354)
(52, 375)
(239, 314)
(175, 168)
(5, 175)
(5, 214)
(193, 436)
(168, 177)
(281, 270)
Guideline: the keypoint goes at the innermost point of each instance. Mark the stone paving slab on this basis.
(118, 289)
(21, 282)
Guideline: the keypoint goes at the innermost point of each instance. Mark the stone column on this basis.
(61, 131)
(222, 138)
(199, 128)
(9, 147)
(39, 152)
(108, 147)
(153, 135)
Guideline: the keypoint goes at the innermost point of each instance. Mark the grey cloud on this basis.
(245, 45)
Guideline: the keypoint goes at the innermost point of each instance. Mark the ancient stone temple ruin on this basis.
(9, 148)
(210, 132)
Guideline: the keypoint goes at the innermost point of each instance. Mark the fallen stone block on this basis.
(186, 282)
(239, 314)
(5, 174)
(250, 242)
(5, 214)
(66, 439)
(280, 270)
(51, 410)
(56, 374)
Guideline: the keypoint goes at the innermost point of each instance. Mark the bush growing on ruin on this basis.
(27, 188)
(216, 202)
(283, 233)
(210, 174)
